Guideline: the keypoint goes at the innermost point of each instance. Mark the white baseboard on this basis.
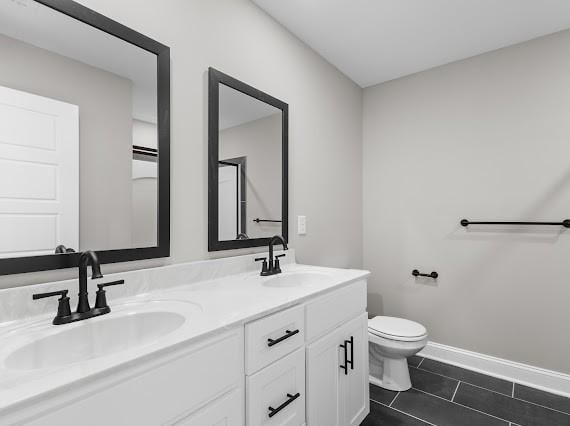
(547, 380)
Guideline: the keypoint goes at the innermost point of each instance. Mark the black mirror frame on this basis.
(77, 11)
(215, 78)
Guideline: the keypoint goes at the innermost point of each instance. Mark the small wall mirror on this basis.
(84, 138)
(248, 138)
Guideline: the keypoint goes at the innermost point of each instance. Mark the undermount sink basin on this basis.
(296, 279)
(94, 338)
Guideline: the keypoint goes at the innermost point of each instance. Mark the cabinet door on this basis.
(324, 381)
(226, 411)
(354, 390)
(276, 394)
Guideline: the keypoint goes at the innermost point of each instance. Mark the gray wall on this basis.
(260, 141)
(105, 148)
(484, 138)
(325, 124)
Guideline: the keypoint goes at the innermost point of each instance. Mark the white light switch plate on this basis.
(301, 225)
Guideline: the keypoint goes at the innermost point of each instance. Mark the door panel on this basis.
(39, 174)
(324, 381)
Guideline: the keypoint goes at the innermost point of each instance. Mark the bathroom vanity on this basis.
(204, 343)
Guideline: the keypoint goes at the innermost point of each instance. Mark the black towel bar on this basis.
(565, 223)
(257, 220)
(417, 273)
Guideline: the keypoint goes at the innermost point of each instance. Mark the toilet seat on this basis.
(398, 329)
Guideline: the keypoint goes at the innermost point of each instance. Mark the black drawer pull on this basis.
(291, 398)
(288, 333)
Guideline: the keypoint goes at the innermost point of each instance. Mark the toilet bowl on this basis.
(392, 340)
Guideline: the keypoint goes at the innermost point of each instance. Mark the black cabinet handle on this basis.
(345, 366)
(348, 362)
(291, 398)
(351, 362)
(288, 333)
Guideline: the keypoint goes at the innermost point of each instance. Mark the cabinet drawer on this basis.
(333, 309)
(280, 386)
(272, 337)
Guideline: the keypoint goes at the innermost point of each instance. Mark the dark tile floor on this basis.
(445, 395)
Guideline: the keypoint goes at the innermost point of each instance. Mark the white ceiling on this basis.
(238, 108)
(372, 41)
(41, 26)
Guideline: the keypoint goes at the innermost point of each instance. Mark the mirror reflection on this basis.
(78, 136)
(249, 167)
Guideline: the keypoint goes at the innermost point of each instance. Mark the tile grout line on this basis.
(479, 387)
(456, 389)
(469, 383)
(406, 414)
(515, 398)
(464, 406)
(394, 400)
(491, 390)
(542, 406)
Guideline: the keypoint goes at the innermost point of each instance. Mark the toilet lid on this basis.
(396, 328)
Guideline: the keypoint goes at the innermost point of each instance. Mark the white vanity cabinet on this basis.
(319, 375)
(201, 384)
(303, 365)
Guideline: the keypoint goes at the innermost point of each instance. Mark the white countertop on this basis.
(212, 306)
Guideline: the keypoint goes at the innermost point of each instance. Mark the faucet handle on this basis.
(102, 286)
(61, 293)
(101, 298)
(264, 268)
(277, 266)
(63, 308)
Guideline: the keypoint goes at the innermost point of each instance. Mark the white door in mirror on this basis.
(39, 174)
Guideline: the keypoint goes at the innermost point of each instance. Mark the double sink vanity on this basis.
(204, 343)
(249, 340)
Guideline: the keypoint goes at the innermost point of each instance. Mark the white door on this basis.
(227, 203)
(39, 174)
(324, 381)
(355, 392)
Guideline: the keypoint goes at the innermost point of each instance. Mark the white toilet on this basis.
(392, 340)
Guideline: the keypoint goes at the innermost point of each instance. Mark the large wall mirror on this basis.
(84, 138)
(248, 138)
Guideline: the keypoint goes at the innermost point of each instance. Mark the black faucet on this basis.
(62, 249)
(84, 311)
(87, 258)
(273, 266)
